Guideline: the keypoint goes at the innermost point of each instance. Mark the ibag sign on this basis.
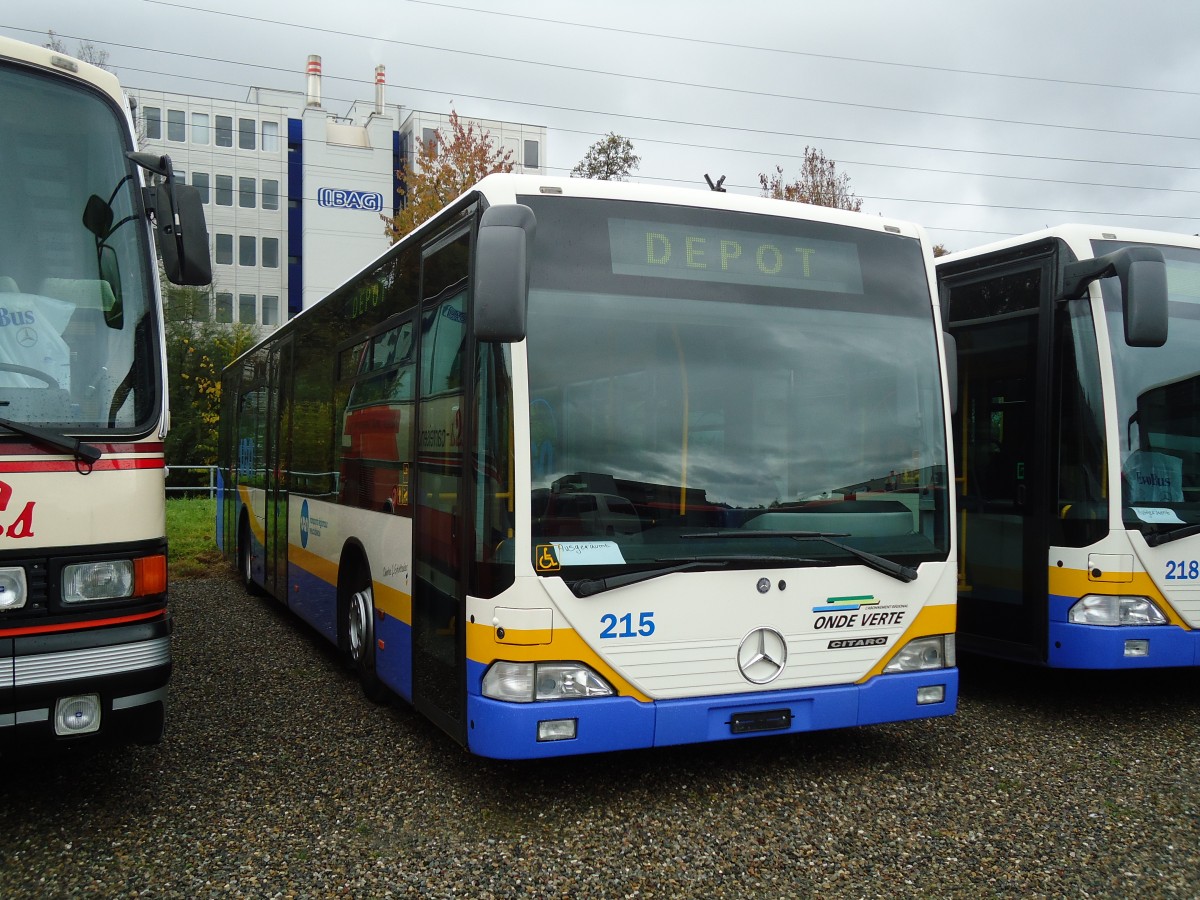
(341, 198)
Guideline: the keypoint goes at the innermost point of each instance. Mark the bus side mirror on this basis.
(1142, 274)
(502, 272)
(178, 223)
(182, 238)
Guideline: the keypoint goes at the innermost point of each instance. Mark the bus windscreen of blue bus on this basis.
(728, 376)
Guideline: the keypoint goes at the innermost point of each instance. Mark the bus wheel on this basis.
(360, 642)
(244, 570)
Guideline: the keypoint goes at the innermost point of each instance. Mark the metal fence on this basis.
(192, 481)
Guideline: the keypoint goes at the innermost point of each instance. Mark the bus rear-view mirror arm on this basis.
(1143, 277)
(502, 272)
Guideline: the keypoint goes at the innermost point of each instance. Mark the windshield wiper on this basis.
(81, 451)
(1165, 537)
(586, 587)
(878, 563)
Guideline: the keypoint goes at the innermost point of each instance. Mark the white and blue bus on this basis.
(1077, 442)
(581, 466)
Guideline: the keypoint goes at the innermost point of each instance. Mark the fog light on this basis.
(1137, 647)
(12, 588)
(556, 730)
(931, 693)
(77, 715)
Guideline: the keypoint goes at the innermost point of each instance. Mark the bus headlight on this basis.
(1111, 609)
(13, 589)
(518, 682)
(920, 654)
(110, 579)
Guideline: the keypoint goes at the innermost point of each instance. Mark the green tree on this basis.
(940, 250)
(197, 350)
(609, 159)
(818, 183)
(445, 167)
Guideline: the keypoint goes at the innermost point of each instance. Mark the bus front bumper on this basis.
(120, 671)
(510, 730)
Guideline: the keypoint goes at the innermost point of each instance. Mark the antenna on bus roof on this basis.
(715, 187)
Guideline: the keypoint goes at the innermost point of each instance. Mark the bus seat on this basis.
(85, 293)
(8, 285)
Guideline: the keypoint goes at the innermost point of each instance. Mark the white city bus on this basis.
(1077, 442)
(582, 466)
(84, 626)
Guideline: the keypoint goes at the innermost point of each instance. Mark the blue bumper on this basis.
(509, 730)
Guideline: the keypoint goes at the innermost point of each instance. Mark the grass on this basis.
(192, 550)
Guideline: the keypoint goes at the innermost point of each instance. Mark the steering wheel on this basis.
(50, 380)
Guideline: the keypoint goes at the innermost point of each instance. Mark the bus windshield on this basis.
(721, 375)
(1158, 403)
(78, 336)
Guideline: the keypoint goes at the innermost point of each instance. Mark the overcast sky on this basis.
(976, 119)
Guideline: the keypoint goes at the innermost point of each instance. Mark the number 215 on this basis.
(610, 623)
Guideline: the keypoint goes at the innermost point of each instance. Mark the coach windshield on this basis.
(719, 375)
(77, 322)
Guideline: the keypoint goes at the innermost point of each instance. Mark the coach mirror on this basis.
(502, 272)
(1142, 274)
(179, 223)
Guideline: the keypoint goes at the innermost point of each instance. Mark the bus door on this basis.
(441, 497)
(1001, 320)
(279, 443)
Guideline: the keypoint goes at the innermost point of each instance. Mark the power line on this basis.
(673, 82)
(830, 56)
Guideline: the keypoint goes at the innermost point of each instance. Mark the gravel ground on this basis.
(278, 779)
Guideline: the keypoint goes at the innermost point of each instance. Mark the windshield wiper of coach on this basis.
(85, 453)
(876, 562)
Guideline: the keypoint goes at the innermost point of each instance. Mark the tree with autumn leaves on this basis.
(445, 167)
(818, 183)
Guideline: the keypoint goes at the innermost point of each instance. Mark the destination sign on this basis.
(667, 250)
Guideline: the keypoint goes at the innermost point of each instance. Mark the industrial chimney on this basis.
(314, 80)
(379, 83)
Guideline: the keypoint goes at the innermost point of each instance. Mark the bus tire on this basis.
(245, 572)
(359, 631)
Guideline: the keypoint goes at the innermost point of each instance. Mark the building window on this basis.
(429, 139)
(246, 191)
(270, 140)
(225, 308)
(152, 116)
(202, 304)
(200, 183)
(224, 190)
(531, 155)
(246, 134)
(176, 129)
(200, 128)
(270, 253)
(247, 250)
(224, 131)
(247, 313)
(270, 193)
(224, 249)
(270, 312)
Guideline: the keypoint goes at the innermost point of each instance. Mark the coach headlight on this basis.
(111, 579)
(923, 653)
(1110, 609)
(524, 682)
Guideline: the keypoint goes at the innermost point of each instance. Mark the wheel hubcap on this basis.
(360, 624)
